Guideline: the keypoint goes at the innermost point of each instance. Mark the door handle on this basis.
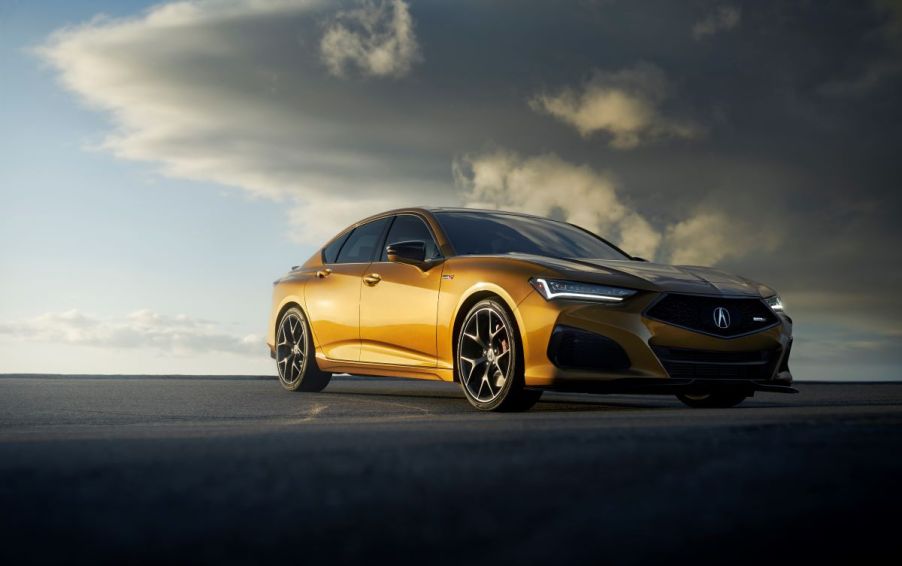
(323, 273)
(372, 279)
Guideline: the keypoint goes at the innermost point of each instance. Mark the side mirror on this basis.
(412, 252)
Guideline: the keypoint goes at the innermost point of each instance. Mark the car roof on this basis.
(434, 209)
(430, 211)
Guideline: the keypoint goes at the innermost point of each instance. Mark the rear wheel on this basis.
(489, 365)
(295, 355)
(720, 399)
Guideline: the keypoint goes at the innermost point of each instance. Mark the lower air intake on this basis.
(701, 364)
(571, 348)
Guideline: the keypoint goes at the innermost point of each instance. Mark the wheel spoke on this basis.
(488, 385)
(288, 368)
(486, 378)
(475, 338)
(486, 330)
(291, 348)
(500, 377)
(474, 363)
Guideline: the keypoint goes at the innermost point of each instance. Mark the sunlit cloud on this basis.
(377, 39)
(549, 186)
(711, 236)
(624, 104)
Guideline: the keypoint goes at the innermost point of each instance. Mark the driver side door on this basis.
(399, 302)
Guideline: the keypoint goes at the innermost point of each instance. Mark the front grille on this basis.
(702, 364)
(694, 312)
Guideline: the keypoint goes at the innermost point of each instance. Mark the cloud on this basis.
(549, 186)
(234, 92)
(711, 236)
(724, 18)
(180, 335)
(624, 104)
(377, 39)
(237, 93)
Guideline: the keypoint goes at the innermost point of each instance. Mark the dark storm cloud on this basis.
(795, 180)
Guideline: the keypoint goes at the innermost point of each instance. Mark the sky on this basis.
(161, 164)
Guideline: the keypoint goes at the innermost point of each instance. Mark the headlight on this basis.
(775, 303)
(559, 289)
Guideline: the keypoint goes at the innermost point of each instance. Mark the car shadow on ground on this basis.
(453, 401)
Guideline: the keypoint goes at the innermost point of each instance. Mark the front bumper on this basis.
(643, 341)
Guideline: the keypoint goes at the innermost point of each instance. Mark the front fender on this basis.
(466, 279)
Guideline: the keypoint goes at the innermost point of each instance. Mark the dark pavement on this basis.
(233, 469)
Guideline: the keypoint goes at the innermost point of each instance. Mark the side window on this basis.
(362, 243)
(330, 252)
(407, 227)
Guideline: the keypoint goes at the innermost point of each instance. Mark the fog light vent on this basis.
(572, 348)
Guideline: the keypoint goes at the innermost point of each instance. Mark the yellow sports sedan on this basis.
(509, 305)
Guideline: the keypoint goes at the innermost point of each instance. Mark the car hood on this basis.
(654, 276)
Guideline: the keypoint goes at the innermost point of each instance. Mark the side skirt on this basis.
(383, 370)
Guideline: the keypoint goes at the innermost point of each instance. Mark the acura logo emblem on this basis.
(721, 318)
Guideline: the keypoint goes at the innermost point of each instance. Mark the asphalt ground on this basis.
(141, 469)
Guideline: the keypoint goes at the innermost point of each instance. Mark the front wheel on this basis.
(295, 355)
(489, 365)
(718, 400)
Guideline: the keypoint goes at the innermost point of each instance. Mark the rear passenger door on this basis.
(333, 297)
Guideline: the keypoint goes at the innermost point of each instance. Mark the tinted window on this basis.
(473, 233)
(406, 228)
(363, 242)
(330, 253)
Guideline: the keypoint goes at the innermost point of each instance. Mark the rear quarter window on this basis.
(363, 243)
(330, 252)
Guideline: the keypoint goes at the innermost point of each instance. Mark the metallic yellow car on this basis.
(509, 305)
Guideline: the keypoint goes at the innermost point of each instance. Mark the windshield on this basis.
(486, 233)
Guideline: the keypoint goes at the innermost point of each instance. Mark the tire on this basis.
(714, 400)
(295, 355)
(489, 362)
